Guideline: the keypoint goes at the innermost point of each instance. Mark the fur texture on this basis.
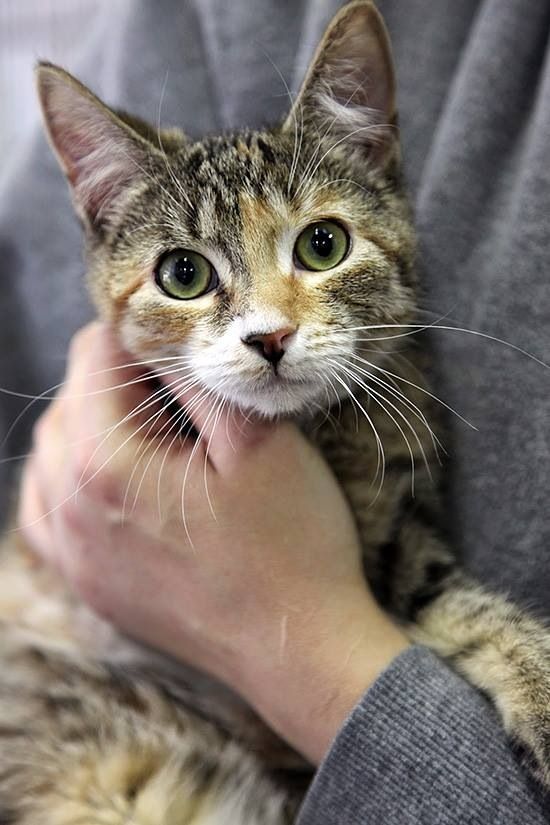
(96, 729)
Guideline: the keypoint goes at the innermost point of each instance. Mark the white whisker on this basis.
(382, 401)
(168, 425)
(416, 386)
(396, 392)
(414, 329)
(381, 458)
(198, 442)
(219, 411)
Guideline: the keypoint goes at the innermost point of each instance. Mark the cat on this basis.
(189, 248)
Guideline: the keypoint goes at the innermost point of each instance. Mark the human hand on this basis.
(261, 586)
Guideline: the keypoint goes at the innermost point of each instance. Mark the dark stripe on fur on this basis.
(436, 581)
(390, 555)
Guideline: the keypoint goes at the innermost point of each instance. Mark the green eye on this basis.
(322, 246)
(184, 274)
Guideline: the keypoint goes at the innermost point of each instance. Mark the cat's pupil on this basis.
(321, 242)
(184, 270)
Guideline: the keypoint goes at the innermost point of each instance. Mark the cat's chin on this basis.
(286, 399)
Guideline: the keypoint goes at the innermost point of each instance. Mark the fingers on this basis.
(44, 489)
(114, 414)
(96, 439)
(103, 383)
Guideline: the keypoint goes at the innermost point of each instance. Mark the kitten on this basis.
(279, 259)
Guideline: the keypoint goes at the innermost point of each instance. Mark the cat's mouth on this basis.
(301, 386)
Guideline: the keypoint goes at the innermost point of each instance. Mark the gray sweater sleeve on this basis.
(422, 748)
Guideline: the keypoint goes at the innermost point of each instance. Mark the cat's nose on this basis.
(271, 345)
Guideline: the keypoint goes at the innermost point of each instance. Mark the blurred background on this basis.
(31, 30)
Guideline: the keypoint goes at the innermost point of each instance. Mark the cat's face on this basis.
(254, 258)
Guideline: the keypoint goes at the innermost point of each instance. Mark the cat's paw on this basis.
(532, 736)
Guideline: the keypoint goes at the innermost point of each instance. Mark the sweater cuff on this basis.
(421, 746)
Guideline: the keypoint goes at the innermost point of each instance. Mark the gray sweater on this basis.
(422, 746)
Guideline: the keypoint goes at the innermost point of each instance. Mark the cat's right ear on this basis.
(100, 155)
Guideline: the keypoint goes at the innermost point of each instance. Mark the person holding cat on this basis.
(308, 647)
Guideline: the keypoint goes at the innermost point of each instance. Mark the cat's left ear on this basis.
(101, 155)
(348, 94)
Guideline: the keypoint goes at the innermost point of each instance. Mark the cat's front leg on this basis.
(503, 652)
(497, 647)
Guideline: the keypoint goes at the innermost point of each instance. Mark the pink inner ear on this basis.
(362, 67)
(101, 169)
(77, 148)
(98, 198)
(97, 154)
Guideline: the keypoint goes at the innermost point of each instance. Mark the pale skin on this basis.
(268, 596)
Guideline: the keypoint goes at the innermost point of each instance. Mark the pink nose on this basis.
(271, 344)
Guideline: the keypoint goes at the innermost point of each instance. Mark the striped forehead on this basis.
(238, 188)
(222, 174)
(266, 226)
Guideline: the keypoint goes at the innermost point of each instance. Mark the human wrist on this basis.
(321, 671)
